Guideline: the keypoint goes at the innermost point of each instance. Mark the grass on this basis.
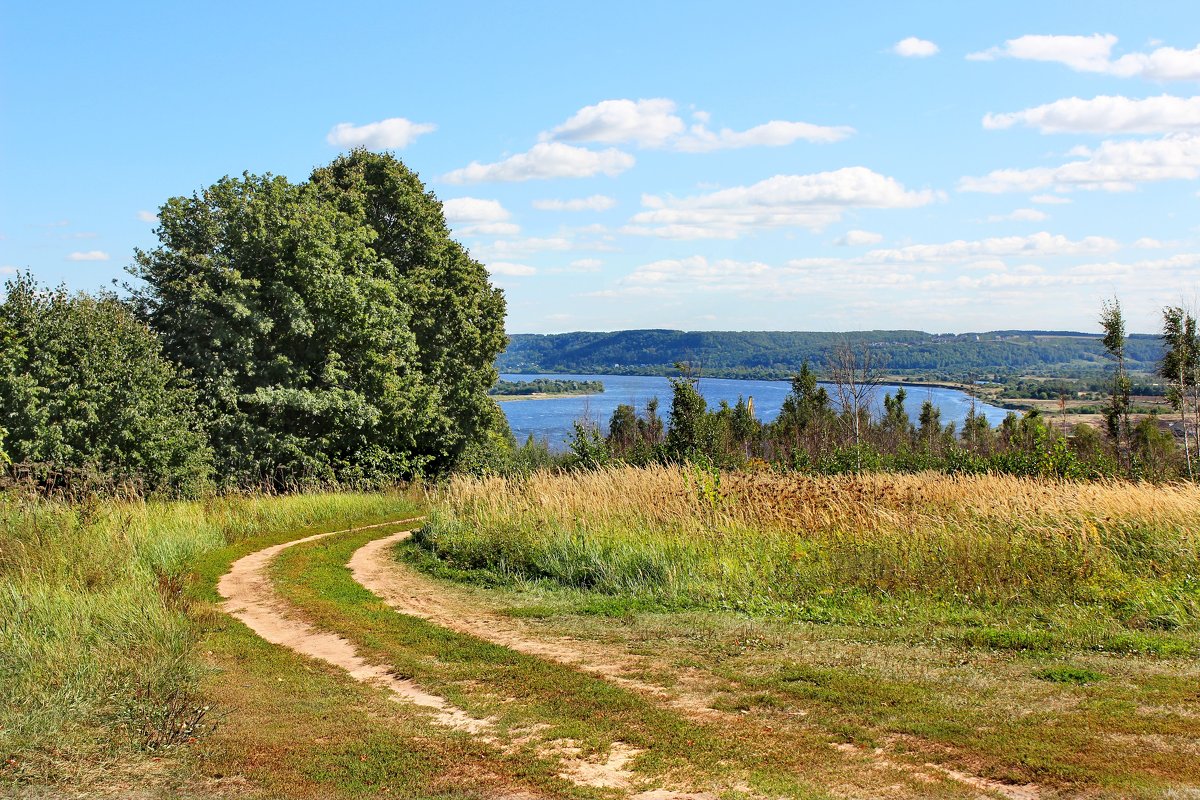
(99, 629)
(523, 693)
(1023, 631)
(989, 561)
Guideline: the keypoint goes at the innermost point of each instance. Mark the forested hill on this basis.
(776, 354)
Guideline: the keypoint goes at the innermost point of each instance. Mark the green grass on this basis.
(985, 561)
(99, 633)
(519, 691)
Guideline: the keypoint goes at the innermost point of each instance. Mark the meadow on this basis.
(100, 627)
(994, 558)
(1037, 634)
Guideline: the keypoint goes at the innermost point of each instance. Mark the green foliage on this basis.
(98, 632)
(780, 354)
(686, 432)
(588, 447)
(84, 386)
(333, 329)
(546, 386)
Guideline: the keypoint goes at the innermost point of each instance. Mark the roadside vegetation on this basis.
(100, 635)
(1043, 631)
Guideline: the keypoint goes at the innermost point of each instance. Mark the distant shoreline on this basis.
(509, 398)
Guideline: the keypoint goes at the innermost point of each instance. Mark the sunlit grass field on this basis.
(1035, 633)
(98, 638)
(999, 561)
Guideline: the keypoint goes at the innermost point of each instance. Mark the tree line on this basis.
(279, 334)
(837, 430)
(779, 354)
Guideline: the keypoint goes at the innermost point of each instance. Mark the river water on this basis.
(552, 418)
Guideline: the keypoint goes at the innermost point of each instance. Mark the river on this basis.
(552, 418)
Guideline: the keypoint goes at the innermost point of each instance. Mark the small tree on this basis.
(1116, 412)
(855, 380)
(685, 431)
(1179, 366)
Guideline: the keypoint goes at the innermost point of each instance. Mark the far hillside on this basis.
(779, 354)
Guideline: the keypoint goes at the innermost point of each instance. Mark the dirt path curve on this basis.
(410, 592)
(250, 597)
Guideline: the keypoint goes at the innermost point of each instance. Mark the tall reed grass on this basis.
(791, 544)
(97, 632)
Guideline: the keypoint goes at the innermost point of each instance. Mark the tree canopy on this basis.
(332, 328)
(84, 384)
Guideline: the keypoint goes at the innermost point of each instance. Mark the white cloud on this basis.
(6, 269)
(805, 201)
(1106, 114)
(1051, 199)
(472, 216)
(858, 238)
(672, 278)
(147, 216)
(474, 210)
(513, 248)
(543, 161)
(387, 134)
(776, 133)
(650, 123)
(586, 265)
(510, 269)
(655, 124)
(1113, 166)
(1094, 54)
(1041, 244)
(88, 255)
(912, 47)
(1020, 215)
(597, 202)
(1147, 243)
(1081, 53)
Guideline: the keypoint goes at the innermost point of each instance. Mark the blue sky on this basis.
(944, 166)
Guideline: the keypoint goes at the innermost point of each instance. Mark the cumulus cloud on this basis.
(597, 202)
(1020, 215)
(387, 134)
(797, 278)
(1113, 166)
(776, 133)
(472, 216)
(805, 201)
(1051, 199)
(654, 123)
(474, 210)
(649, 123)
(510, 269)
(1041, 244)
(88, 255)
(1094, 54)
(858, 238)
(7, 269)
(1105, 114)
(586, 265)
(504, 249)
(543, 161)
(147, 216)
(912, 47)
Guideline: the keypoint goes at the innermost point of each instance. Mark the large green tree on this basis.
(333, 328)
(84, 384)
